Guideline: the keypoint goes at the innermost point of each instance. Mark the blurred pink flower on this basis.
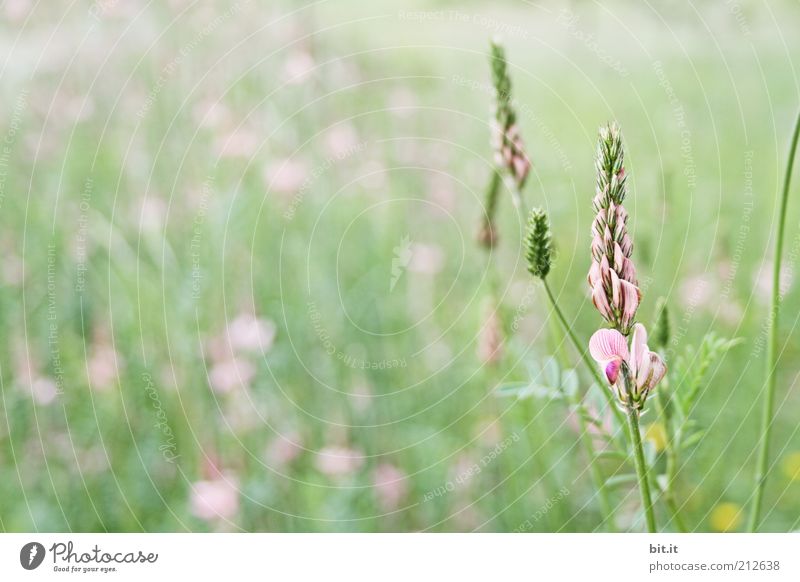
(44, 390)
(490, 337)
(763, 280)
(283, 449)
(298, 67)
(230, 374)
(103, 367)
(442, 192)
(341, 140)
(286, 176)
(16, 10)
(391, 486)
(251, 334)
(211, 113)
(239, 143)
(338, 461)
(698, 290)
(215, 499)
(426, 259)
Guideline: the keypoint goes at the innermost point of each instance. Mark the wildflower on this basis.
(726, 517)
(487, 234)
(286, 176)
(425, 259)
(298, 67)
(391, 486)
(506, 139)
(227, 375)
(249, 333)
(631, 374)
(539, 244)
(612, 276)
(283, 449)
(215, 499)
(44, 390)
(490, 340)
(341, 141)
(103, 366)
(338, 461)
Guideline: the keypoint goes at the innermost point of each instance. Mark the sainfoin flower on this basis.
(506, 138)
(612, 275)
(633, 373)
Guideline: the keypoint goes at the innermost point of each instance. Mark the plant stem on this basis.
(590, 365)
(594, 470)
(672, 457)
(641, 468)
(586, 439)
(669, 495)
(762, 467)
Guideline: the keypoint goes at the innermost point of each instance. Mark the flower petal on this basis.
(612, 370)
(657, 370)
(615, 290)
(594, 274)
(601, 301)
(607, 345)
(638, 346)
(630, 302)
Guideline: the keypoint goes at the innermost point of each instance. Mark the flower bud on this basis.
(539, 244)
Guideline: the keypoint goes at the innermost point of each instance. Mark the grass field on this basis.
(310, 178)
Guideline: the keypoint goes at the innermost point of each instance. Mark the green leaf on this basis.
(693, 439)
(621, 480)
(613, 455)
(569, 382)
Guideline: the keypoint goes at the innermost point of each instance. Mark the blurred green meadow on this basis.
(240, 288)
